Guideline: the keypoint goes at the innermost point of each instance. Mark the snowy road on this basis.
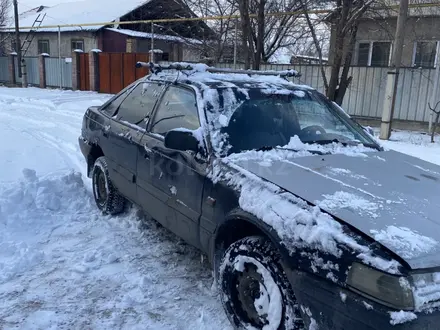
(65, 266)
(62, 264)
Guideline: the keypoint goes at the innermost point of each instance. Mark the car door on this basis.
(177, 177)
(124, 135)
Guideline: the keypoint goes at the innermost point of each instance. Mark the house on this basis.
(376, 33)
(94, 24)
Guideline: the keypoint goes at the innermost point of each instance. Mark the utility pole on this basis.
(17, 37)
(393, 74)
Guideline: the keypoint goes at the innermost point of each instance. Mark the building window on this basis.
(77, 44)
(425, 54)
(43, 47)
(381, 54)
(364, 54)
(377, 53)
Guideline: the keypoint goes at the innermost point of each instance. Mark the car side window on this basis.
(111, 108)
(178, 109)
(137, 106)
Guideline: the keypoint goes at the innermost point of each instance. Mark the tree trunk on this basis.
(340, 41)
(345, 80)
(334, 74)
(260, 35)
(246, 35)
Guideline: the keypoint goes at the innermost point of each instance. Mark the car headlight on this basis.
(389, 290)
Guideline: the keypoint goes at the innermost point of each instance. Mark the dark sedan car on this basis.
(307, 221)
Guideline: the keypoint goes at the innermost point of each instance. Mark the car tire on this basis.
(106, 196)
(251, 276)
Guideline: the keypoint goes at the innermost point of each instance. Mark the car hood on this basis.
(389, 196)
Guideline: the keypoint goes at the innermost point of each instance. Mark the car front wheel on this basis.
(254, 288)
(106, 196)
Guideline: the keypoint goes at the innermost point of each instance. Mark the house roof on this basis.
(146, 35)
(79, 12)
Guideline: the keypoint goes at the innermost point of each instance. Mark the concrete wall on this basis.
(416, 29)
(89, 38)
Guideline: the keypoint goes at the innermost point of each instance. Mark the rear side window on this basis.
(139, 103)
(111, 108)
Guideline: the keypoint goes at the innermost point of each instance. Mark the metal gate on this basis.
(118, 70)
(84, 72)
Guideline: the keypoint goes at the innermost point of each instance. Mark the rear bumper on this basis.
(334, 308)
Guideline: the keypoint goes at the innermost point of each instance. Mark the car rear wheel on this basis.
(106, 196)
(254, 289)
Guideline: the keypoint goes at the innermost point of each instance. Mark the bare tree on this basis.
(5, 6)
(270, 27)
(224, 29)
(344, 21)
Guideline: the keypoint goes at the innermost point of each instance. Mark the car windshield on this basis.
(268, 120)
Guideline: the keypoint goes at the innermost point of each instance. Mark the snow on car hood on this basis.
(391, 197)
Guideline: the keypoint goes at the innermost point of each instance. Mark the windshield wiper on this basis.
(345, 143)
(267, 148)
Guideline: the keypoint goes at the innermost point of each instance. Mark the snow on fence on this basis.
(367, 91)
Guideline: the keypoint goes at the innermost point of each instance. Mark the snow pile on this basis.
(46, 199)
(333, 148)
(409, 243)
(81, 268)
(16, 259)
(402, 317)
(295, 149)
(297, 224)
(342, 199)
(46, 196)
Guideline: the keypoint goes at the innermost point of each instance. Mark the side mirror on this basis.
(183, 140)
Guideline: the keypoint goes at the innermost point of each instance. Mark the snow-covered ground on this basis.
(414, 144)
(65, 266)
(62, 264)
